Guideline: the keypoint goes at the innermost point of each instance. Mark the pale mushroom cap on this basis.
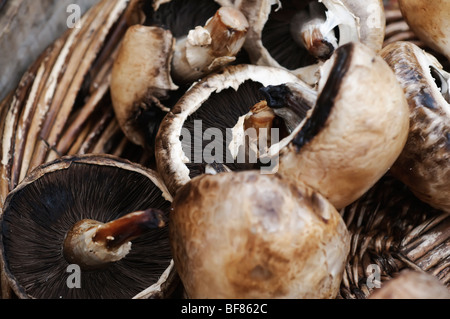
(363, 135)
(430, 21)
(424, 165)
(411, 284)
(372, 21)
(277, 240)
(141, 72)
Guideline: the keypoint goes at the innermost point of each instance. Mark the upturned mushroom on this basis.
(424, 164)
(300, 35)
(279, 240)
(207, 123)
(430, 22)
(102, 215)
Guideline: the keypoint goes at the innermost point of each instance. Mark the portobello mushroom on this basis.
(248, 235)
(424, 164)
(84, 211)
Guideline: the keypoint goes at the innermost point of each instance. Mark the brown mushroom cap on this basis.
(248, 235)
(430, 21)
(40, 212)
(356, 130)
(410, 284)
(424, 165)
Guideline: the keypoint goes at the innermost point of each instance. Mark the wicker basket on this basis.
(62, 106)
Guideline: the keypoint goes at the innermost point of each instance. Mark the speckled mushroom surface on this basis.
(430, 21)
(248, 235)
(424, 165)
(356, 131)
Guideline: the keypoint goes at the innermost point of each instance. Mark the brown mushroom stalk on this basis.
(92, 244)
(261, 116)
(206, 49)
(315, 30)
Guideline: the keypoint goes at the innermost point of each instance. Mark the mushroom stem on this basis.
(92, 244)
(261, 116)
(289, 103)
(315, 30)
(206, 49)
(120, 231)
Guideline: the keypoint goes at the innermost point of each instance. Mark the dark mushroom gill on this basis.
(222, 111)
(39, 215)
(277, 38)
(180, 16)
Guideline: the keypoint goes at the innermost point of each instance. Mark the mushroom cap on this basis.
(368, 24)
(140, 77)
(410, 284)
(249, 235)
(40, 211)
(355, 132)
(430, 21)
(424, 164)
(372, 21)
(172, 162)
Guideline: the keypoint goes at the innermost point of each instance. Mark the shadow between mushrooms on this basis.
(85, 211)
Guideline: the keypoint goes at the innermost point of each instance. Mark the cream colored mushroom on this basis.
(430, 21)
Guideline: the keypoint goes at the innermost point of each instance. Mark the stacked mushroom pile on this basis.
(264, 120)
